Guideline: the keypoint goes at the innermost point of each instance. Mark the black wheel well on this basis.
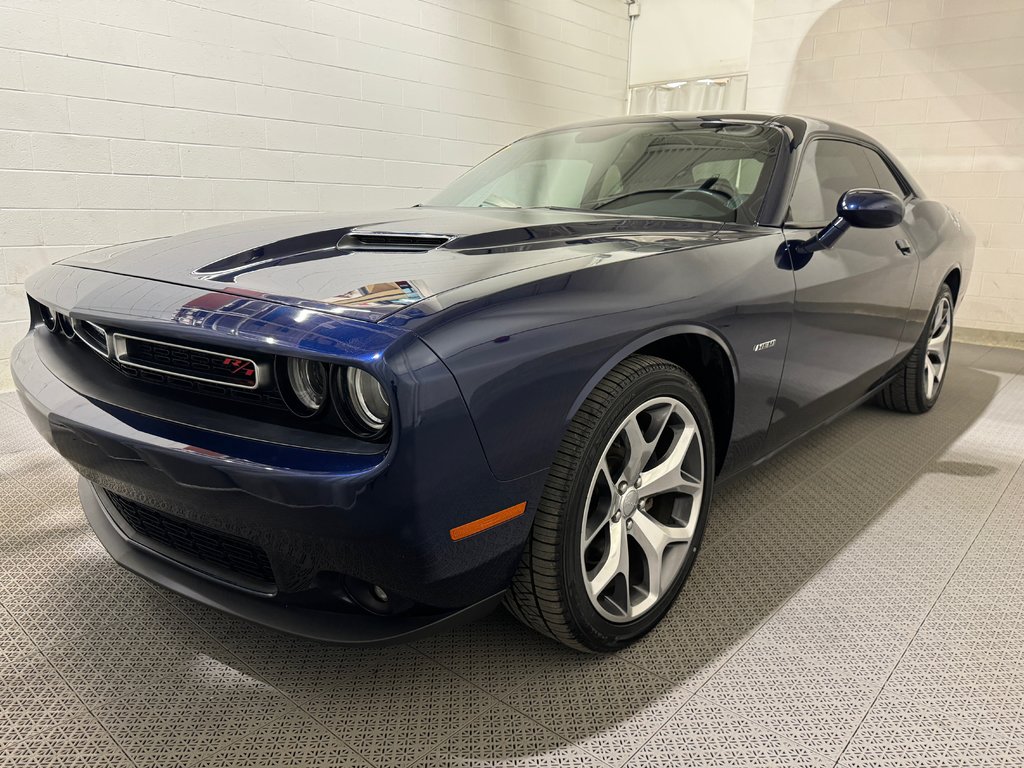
(953, 281)
(707, 362)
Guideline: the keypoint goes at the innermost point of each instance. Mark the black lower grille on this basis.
(222, 551)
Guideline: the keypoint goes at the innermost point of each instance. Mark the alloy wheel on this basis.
(939, 341)
(642, 509)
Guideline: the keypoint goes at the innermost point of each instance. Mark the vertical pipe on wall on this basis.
(633, 10)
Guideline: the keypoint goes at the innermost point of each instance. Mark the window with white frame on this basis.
(728, 92)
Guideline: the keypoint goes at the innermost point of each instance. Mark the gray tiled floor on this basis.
(858, 603)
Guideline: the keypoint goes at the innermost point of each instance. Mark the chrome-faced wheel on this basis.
(937, 353)
(642, 509)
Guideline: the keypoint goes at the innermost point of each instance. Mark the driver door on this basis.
(852, 300)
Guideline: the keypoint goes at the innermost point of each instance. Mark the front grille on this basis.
(222, 551)
(186, 362)
(264, 397)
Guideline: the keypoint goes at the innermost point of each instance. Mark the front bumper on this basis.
(326, 521)
(316, 624)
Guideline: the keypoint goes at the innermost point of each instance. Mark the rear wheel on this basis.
(917, 386)
(623, 512)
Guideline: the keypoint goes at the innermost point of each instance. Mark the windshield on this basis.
(682, 169)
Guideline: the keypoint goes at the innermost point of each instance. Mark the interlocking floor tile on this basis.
(963, 354)
(503, 738)
(958, 691)
(14, 643)
(814, 669)
(193, 714)
(18, 433)
(695, 638)
(604, 704)
(1001, 359)
(295, 740)
(34, 697)
(741, 498)
(897, 734)
(105, 666)
(80, 591)
(303, 668)
(11, 400)
(703, 735)
(497, 653)
(82, 743)
(44, 474)
(396, 709)
(32, 519)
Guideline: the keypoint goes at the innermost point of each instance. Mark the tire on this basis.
(919, 381)
(648, 402)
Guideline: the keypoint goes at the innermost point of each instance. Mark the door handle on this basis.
(904, 247)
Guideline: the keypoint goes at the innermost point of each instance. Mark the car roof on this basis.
(798, 126)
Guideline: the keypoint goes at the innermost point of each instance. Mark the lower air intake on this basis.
(224, 553)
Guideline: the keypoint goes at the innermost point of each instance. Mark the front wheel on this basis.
(623, 512)
(919, 381)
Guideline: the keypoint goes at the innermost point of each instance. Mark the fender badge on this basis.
(764, 345)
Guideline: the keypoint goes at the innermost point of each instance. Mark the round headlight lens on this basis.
(64, 324)
(48, 319)
(367, 401)
(308, 380)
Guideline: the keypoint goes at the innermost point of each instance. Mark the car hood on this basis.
(370, 265)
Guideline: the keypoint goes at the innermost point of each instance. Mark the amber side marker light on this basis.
(469, 529)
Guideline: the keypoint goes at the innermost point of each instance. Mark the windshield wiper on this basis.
(558, 208)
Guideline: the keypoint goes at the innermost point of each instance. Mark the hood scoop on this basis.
(291, 250)
(391, 241)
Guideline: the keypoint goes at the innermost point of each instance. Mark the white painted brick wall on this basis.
(126, 120)
(941, 83)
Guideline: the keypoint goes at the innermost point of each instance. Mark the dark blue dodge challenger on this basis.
(360, 427)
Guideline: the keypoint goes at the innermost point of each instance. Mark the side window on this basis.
(829, 168)
(886, 179)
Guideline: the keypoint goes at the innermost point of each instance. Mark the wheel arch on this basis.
(705, 355)
(953, 279)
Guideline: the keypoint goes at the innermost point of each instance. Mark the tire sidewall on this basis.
(925, 401)
(598, 632)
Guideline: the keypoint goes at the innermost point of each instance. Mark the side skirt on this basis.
(881, 383)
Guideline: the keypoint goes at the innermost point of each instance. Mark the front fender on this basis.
(527, 357)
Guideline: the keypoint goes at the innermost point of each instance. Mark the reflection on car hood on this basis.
(369, 265)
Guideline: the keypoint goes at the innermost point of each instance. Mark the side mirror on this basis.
(870, 208)
(864, 208)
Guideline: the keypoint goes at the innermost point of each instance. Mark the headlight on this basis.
(306, 389)
(48, 319)
(64, 325)
(363, 403)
